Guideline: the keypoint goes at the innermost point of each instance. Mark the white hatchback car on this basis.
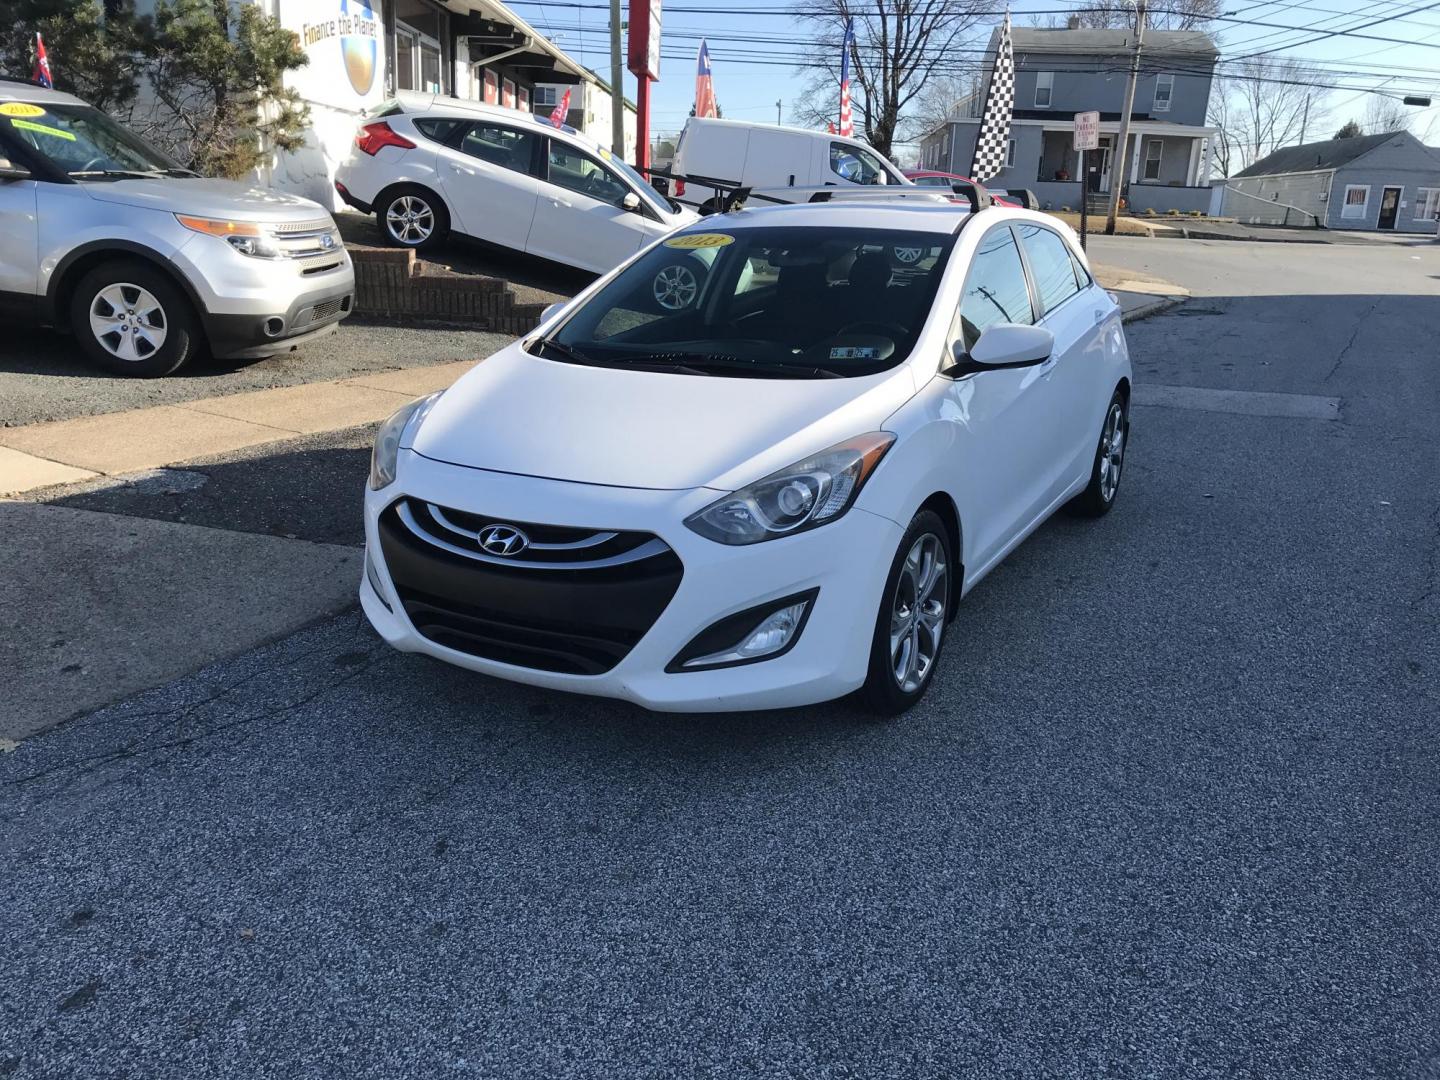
(427, 166)
(772, 497)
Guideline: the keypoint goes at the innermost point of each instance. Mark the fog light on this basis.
(372, 575)
(760, 633)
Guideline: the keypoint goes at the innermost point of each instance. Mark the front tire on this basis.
(412, 217)
(914, 613)
(132, 319)
(676, 285)
(1099, 495)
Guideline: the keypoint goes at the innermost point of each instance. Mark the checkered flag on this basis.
(992, 142)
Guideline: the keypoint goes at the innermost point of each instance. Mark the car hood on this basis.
(206, 198)
(518, 413)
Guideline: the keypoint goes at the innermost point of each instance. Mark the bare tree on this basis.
(1262, 103)
(1176, 15)
(900, 47)
(1385, 114)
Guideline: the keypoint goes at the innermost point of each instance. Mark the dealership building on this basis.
(361, 53)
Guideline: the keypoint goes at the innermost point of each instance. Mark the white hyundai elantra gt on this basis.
(773, 495)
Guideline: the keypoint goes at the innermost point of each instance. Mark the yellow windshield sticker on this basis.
(692, 241)
(26, 125)
(20, 108)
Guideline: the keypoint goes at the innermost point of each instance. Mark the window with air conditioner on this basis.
(1044, 88)
(1164, 91)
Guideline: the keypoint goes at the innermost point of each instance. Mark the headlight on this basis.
(405, 420)
(809, 493)
(245, 237)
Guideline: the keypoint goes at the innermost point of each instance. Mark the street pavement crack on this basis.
(1355, 333)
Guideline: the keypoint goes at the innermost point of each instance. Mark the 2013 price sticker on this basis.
(695, 241)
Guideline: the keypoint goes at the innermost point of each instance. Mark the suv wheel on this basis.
(130, 318)
(411, 217)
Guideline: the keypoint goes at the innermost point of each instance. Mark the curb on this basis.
(1159, 306)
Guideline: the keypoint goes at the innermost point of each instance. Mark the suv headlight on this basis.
(246, 237)
(404, 421)
(809, 493)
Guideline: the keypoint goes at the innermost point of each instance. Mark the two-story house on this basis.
(1064, 71)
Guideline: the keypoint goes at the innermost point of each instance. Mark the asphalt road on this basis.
(1168, 811)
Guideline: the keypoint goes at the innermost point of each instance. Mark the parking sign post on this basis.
(1087, 138)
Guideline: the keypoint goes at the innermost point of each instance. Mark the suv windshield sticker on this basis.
(691, 241)
(26, 125)
(20, 108)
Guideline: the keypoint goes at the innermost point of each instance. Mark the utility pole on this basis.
(1123, 150)
(1305, 119)
(617, 86)
(777, 113)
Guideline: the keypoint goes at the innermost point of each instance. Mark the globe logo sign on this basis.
(358, 43)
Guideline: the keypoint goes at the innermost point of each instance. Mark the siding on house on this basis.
(1101, 86)
(1262, 200)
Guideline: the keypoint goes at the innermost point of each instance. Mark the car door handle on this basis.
(1100, 314)
(559, 202)
(461, 169)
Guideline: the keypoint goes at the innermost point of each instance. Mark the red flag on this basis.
(830, 127)
(42, 64)
(561, 111)
(847, 125)
(704, 84)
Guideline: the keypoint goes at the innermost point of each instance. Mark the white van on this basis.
(768, 158)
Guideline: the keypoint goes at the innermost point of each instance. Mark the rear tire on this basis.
(409, 216)
(132, 319)
(676, 286)
(914, 615)
(1099, 495)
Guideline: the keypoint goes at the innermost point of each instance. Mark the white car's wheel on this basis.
(914, 613)
(412, 217)
(1099, 495)
(676, 285)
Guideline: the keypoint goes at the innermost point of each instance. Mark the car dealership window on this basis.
(1044, 88)
(503, 146)
(1357, 199)
(1050, 265)
(995, 288)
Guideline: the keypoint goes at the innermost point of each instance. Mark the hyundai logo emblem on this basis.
(327, 241)
(502, 540)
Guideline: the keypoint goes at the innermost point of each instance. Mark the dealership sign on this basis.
(342, 41)
(643, 54)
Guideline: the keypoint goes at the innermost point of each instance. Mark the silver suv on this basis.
(144, 261)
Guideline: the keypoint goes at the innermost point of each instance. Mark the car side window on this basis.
(856, 165)
(439, 128)
(1082, 276)
(502, 146)
(579, 172)
(995, 288)
(1051, 265)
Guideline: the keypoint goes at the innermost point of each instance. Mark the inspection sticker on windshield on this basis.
(691, 241)
(20, 108)
(854, 352)
(26, 125)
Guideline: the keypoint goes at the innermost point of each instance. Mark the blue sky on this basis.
(748, 90)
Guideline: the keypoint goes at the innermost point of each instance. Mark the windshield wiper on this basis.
(573, 356)
(128, 174)
(706, 363)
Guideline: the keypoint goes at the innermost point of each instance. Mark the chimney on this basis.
(1072, 23)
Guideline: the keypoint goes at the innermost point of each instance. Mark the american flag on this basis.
(704, 84)
(561, 111)
(42, 64)
(992, 142)
(847, 123)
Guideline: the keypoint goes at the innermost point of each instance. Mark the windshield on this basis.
(794, 302)
(82, 141)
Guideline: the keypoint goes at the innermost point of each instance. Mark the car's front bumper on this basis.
(846, 561)
(308, 316)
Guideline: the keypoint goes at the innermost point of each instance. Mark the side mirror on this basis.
(551, 310)
(630, 202)
(1004, 346)
(13, 172)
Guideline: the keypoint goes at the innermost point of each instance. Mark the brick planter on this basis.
(390, 283)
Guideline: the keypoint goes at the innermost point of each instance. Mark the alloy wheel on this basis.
(410, 220)
(675, 288)
(1112, 451)
(128, 321)
(909, 256)
(917, 613)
